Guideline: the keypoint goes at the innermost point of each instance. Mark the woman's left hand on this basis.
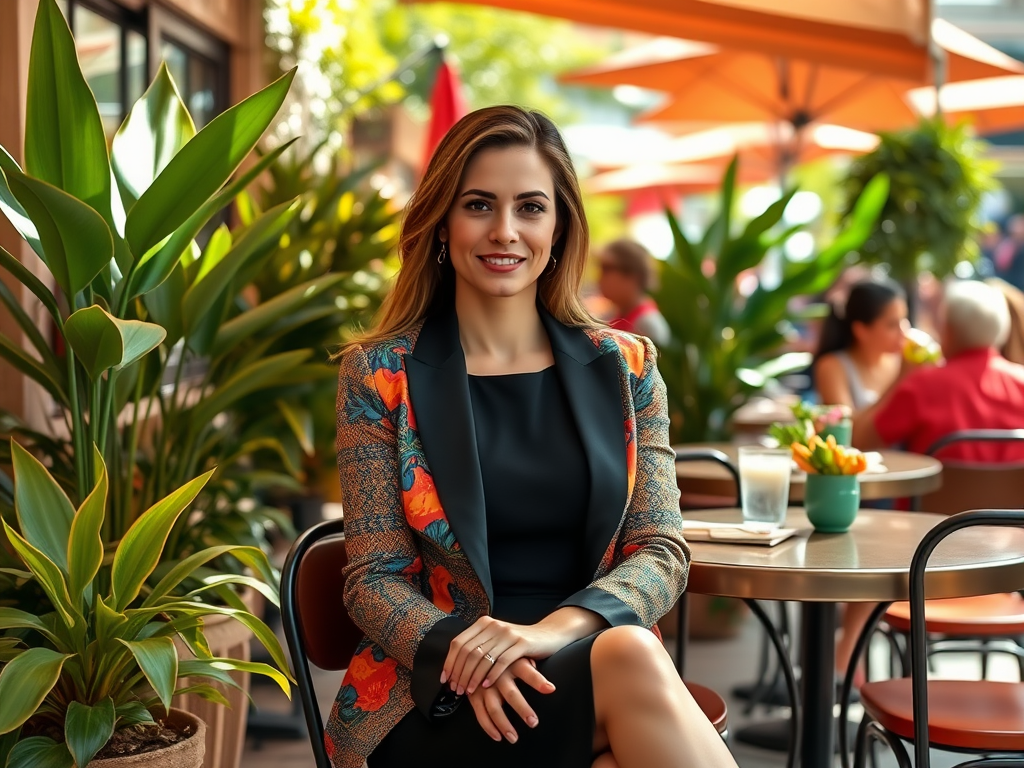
(481, 653)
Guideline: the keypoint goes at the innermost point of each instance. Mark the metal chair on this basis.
(979, 717)
(318, 629)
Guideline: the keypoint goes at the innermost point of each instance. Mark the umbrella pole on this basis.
(939, 61)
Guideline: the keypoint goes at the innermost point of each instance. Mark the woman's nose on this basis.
(505, 230)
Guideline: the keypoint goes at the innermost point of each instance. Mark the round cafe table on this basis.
(906, 474)
(869, 563)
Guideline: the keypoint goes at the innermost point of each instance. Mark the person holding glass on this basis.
(511, 511)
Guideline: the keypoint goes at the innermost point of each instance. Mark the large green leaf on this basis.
(253, 557)
(85, 544)
(24, 683)
(248, 380)
(44, 511)
(76, 241)
(263, 315)
(30, 281)
(155, 130)
(12, 618)
(13, 210)
(300, 421)
(102, 341)
(140, 549)
(133, 713)
(202, 295)
(158, 660)
(47, 575)
(155, 267)
(202, 167)
(218, 669)
(29, 327)
(87, 729)
(40, 752)
(53, 381)
(64, 140)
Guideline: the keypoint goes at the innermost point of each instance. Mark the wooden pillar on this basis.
(17, 394)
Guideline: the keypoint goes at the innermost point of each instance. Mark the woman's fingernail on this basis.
(496, 738)
(444, 677)
(460, 690)
(470, 689)
(511, 736)
(532, 721)
(487, 683)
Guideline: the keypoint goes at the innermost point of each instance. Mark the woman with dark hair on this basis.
(859, 351)
(510, 545)
(859, 357)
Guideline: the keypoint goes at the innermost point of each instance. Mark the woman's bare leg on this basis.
(644, 712)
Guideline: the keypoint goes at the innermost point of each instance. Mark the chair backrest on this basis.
(972, 485)
(712, 455)
(317, 627)
(918, 632)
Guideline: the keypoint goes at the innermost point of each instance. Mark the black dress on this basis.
(536, 485)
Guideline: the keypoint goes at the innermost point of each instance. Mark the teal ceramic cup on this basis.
(831, 502)
(842, 432)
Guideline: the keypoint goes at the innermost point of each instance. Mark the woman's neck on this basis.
(865, 358)
(501, 335)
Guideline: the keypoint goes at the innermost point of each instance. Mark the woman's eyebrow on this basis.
(492, 196)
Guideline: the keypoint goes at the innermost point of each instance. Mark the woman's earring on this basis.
(553, 265)
(443, 254)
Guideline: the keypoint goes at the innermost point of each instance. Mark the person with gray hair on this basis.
(975, 388)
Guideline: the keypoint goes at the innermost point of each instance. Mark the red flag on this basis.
(447, 106)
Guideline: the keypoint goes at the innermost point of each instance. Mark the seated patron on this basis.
(627, 277)
(976, 388)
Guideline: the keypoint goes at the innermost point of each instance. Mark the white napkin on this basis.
(736, 533)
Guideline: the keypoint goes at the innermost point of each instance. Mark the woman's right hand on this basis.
(489, 703)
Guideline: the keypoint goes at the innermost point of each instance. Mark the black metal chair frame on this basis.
(871, 730)
(293, 632)
(775, 636)
(936, 646)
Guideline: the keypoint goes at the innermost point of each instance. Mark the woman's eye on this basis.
(533, 208)
(477, 205)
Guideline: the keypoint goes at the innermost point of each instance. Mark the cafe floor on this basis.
(720, 664)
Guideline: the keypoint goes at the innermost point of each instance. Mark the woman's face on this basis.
(885, 334)
(501, 227)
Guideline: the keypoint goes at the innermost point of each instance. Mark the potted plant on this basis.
(832, 493)
(724, 347)
(811, 419)
(99, 658)
(932, 215)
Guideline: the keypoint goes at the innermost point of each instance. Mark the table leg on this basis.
(818, 653)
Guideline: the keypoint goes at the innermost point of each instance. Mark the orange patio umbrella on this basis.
(885, 36)
(694, 163)
(991, 105)
(709, 83)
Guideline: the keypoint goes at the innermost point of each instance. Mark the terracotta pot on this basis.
(184, 754)
(225, 732)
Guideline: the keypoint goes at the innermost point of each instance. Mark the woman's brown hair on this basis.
(421, 278)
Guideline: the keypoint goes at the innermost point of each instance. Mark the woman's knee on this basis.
(628, 647)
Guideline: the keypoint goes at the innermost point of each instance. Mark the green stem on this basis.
(133, 446)
(78, 431)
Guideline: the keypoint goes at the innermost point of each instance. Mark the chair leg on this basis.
(870, 732)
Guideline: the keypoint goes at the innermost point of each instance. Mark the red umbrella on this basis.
(447, 106)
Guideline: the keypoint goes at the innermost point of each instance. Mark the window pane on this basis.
(202, 97)
(137, 80)
(177, 63)
(98, 42)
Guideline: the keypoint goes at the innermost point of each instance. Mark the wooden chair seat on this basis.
(962, 714)
(711, 704)
(984, 616)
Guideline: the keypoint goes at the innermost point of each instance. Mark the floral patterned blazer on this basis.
(415, 526)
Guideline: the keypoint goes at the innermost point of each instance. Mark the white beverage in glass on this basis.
(764, 484)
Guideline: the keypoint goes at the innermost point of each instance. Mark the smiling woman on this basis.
(510, 544)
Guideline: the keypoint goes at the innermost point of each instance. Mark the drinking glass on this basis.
(764, 484)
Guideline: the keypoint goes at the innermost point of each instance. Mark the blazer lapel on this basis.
(439, 390)
(591, 382)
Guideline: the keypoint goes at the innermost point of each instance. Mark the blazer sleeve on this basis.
(652, 558)
(382, 579)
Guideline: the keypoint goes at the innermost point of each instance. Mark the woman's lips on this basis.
(495, 262)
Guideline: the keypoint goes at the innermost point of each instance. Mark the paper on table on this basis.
(735, 533)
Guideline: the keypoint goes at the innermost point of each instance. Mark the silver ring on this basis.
(489, 657)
